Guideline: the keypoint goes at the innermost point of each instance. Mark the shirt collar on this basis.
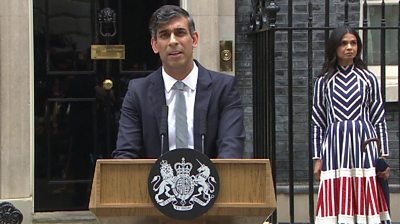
(345, 69)
(190, 80)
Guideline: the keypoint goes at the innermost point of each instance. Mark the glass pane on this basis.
(69, 35)
(136, 37)
(374, 36)
(391, 45)
(68, 131)
(64, 155)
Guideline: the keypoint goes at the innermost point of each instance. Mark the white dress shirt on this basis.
(190, 94)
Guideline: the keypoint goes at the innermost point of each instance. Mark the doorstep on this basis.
(64, 217)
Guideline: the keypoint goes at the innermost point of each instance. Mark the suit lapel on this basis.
(203, 95)
(157, 99)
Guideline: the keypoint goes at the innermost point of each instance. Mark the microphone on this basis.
(163, 126)
(203, 129)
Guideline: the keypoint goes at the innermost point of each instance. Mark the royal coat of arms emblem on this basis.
(182, 185)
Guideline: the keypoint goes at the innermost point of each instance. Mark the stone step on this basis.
(80, 217)
(73, 217)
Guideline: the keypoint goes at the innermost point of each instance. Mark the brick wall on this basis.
(243, 65)
(299, 77)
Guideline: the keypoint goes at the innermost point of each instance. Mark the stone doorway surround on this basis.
(16, 105)
(17, 90)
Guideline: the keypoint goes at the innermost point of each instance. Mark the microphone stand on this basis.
(203, 130)
(163, 126)
(162, 144)
(202, 142)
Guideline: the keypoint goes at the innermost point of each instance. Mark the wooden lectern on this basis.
(119, 193)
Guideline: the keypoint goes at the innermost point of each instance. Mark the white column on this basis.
(16, 105)
(215, 21)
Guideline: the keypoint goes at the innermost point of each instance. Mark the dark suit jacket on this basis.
(216, 96)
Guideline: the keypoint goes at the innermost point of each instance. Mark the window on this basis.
(374, 44)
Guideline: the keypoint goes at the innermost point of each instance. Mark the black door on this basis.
(76, 115)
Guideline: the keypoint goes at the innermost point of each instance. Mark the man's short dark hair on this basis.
(164, 14)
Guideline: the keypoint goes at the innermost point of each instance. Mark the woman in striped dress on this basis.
(348, 111)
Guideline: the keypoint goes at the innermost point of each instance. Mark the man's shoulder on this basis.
(145, 80)
(218, 76)
(221, 75)
(214, 75)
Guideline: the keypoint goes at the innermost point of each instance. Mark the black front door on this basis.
(76, 111)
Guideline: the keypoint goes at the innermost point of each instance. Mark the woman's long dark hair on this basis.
(334, 41)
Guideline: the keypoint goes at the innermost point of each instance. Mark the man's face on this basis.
(347, 50)
(174, 44)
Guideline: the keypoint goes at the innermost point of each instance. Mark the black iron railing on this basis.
(287, 54)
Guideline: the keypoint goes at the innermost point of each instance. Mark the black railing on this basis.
(284, 69)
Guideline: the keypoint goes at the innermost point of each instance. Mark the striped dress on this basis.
(347, 111)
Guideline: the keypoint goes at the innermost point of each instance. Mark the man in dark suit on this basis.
(212, 100)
